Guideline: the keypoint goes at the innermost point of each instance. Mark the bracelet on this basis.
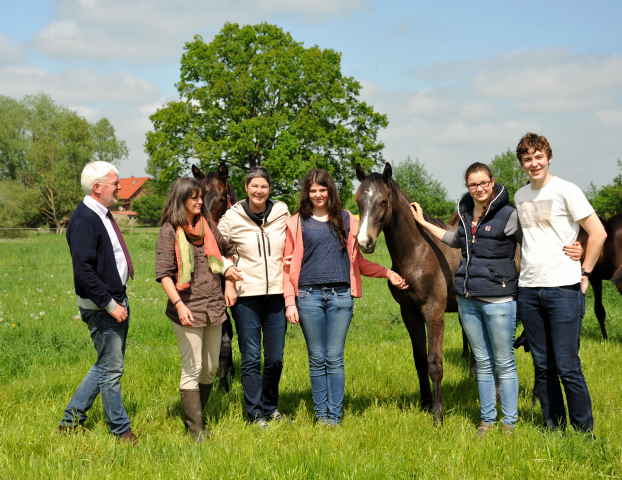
(176, 302)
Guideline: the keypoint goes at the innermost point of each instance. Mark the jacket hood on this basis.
(502, 198)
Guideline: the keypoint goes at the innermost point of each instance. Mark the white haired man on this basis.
(101, 268)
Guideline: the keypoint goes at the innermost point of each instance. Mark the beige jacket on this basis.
(259, 249)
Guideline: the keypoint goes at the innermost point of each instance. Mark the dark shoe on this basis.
(205, 389)
(191, 401)
(65, 430)
(129, 437)
(482, 430)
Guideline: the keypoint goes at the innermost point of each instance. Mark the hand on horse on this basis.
(231, 296)
(574, 251)
(287, 261)
(234, 274)
(398, 281)
(184, 314)
(291, 313)
(417, 212)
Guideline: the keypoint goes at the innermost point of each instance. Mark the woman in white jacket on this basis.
(256, 228)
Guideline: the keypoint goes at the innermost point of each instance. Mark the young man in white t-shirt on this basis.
(551, 294)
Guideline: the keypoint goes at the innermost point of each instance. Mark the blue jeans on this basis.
(256, 316)
(553, 317)
(490, 328)
(104, 377)
(325, 315)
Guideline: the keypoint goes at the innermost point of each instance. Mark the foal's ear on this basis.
(388, 172)
(223, 172)
(360, 174)
(198, 174)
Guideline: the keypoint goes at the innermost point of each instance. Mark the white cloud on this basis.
(142, 31)
(80, 87)
(10, 52)
(472, 111)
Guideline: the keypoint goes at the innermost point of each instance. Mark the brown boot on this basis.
(482, 430)
(205, 389)
(191, 401)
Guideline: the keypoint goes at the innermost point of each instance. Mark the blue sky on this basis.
(459, 81)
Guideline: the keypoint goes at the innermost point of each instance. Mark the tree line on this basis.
(43, 149)
(252, 96)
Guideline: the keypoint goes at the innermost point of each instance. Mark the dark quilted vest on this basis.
(487, 268)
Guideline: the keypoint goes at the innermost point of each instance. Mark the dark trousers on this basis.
(256, 318)
(552, 317)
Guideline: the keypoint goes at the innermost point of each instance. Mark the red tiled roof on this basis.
(129, 186)
(124, 212)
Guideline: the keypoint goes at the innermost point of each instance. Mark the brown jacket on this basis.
(204, 296)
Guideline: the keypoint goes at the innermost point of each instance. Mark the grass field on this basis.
(45, 351)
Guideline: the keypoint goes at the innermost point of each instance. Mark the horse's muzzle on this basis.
(367, 247)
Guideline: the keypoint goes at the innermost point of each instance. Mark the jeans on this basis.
(325, 314)
(104, 377)
(256, 316)
(490, 328)
(553, 317)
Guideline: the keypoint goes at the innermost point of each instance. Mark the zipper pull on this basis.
(503, 284)
(473, 241)
(467, 294)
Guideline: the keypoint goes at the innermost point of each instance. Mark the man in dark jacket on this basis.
(101, 268)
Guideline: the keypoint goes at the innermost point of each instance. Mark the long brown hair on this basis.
(333, 205)
(174, 210)
(481, 167)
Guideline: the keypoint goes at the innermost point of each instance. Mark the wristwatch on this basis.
(585, 273)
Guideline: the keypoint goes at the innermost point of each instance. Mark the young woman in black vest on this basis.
(486, 285)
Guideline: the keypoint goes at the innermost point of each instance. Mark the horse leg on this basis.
(226, 355)
(599, 309)
(416, 330)
(435, 323)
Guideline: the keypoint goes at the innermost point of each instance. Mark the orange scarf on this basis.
(199, 234)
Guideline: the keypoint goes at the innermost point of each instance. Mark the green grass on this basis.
(384, 434)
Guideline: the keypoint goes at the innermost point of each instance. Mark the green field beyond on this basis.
(45, 351)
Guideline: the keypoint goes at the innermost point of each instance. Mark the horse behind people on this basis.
(426, 264)
(218, 197)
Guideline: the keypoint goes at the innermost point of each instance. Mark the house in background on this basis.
(131, 189)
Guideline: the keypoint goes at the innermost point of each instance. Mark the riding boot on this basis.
(191, 401)
(205, 389)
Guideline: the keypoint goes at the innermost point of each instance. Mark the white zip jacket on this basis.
(260, 249)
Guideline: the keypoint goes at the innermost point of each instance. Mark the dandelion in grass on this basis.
(36, 317)
(76, 317)
(32, 315)
(41, 313)
(13, 325)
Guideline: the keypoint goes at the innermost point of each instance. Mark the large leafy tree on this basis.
(254, 96)
(422, 188)
(607, 200)
(44, 148)
(508, 172)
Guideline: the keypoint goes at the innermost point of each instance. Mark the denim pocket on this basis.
(302, 295)
(343, 293)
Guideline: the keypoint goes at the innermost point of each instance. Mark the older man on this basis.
(101, 268)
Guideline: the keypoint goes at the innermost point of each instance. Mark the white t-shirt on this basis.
(549, 219)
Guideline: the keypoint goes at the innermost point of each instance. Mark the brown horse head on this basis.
(217, 191)
(377, 198)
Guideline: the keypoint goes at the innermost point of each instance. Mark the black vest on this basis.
(487, 268)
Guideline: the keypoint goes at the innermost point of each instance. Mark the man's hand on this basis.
(584, 284)
(119, 313)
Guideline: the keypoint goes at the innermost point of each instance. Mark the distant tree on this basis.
(254, 96)
(508, 172)
(18, 205)
(607, 200)
(45, 147)
(422, 188)
(148, 209)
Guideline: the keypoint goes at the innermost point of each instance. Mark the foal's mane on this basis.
(396, 193)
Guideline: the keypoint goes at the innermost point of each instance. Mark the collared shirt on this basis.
(119, 256)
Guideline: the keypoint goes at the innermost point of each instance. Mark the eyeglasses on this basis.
(115, 184)
(474, 186)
